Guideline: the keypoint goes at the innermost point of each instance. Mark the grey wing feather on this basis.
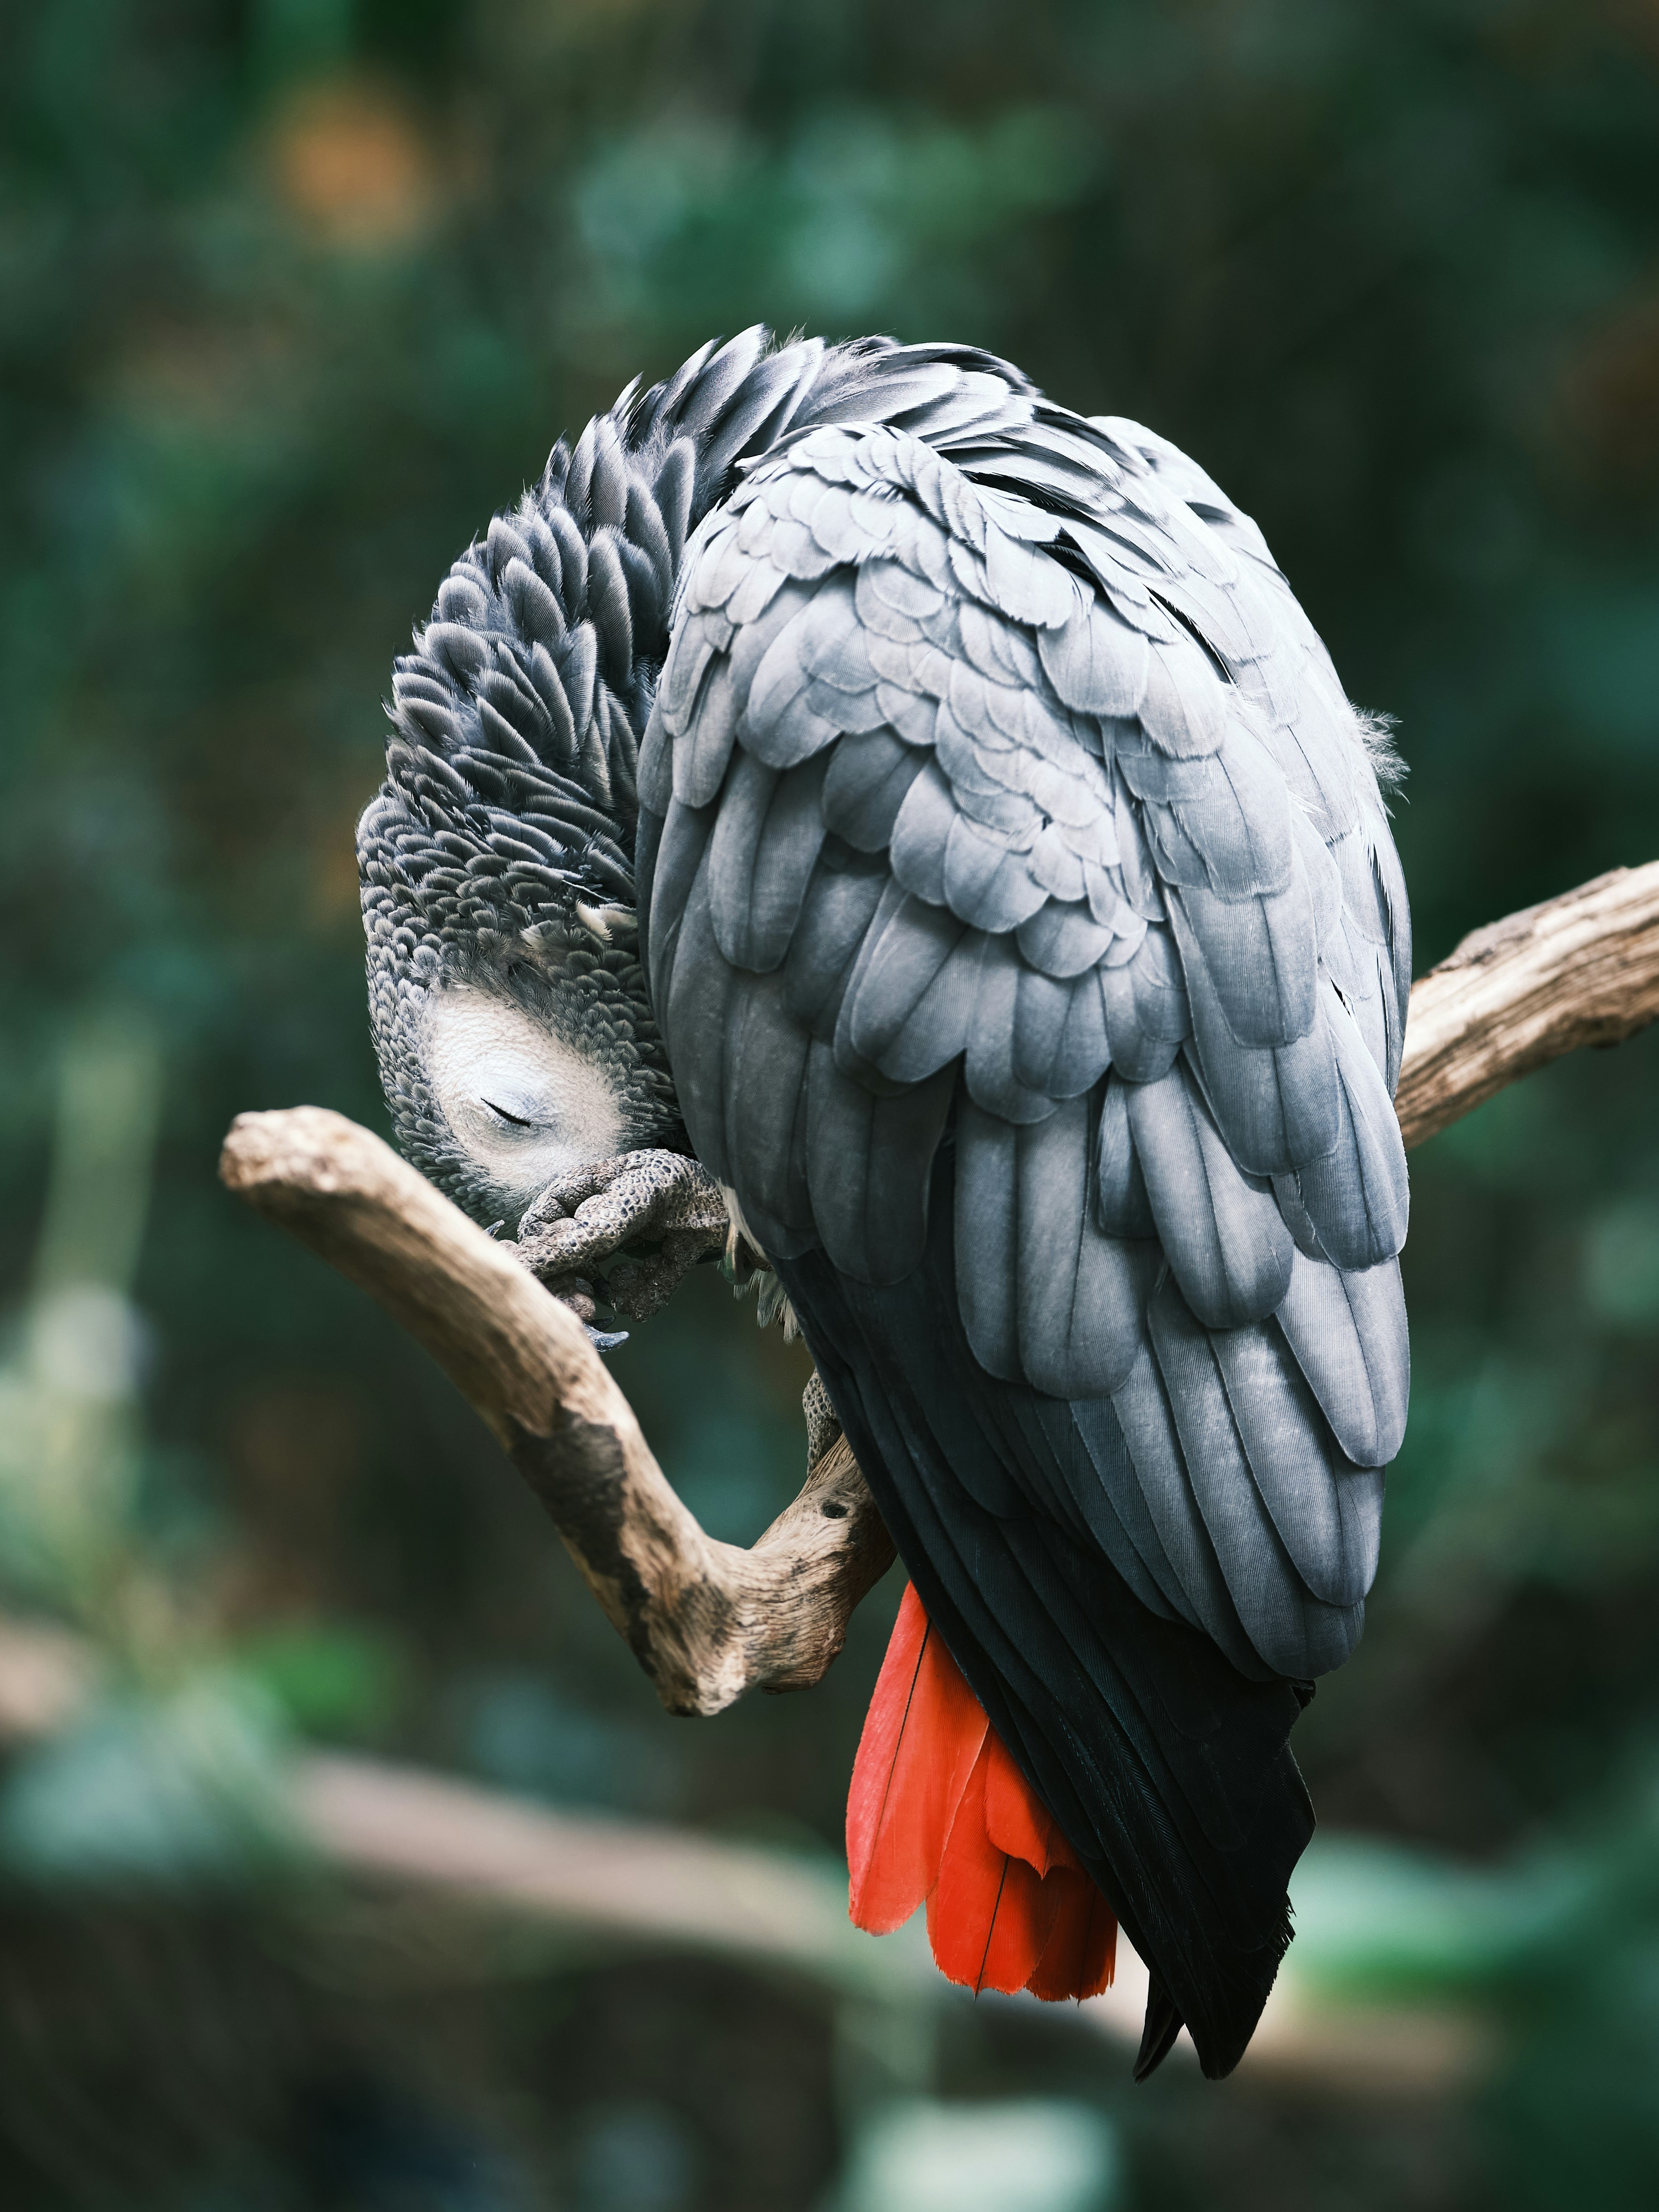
(1078, 1292)
(1103, 1472)
(921, 832)
(1060, 1045)
(1260, 959)
(1143, 1411)
(1296, 1632)
(1225, 1238)
(676, 863)
(768, 830)
(869, 778)
(1347, 1330)
(1063, 939)
(1278, 1105)
(767, 1051)
(1327, 1511)
(1122, 1206)
(907, 1010)
(989, 1075)
(840, 911)
(867, 1159)
(1356, 1194)
(700, 995)
(988, 1239)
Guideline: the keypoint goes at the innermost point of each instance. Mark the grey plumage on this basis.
(1225, 1239)
(1217, 827)
(1000, 831)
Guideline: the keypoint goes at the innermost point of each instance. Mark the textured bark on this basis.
(1581, 969)
(708, 1620)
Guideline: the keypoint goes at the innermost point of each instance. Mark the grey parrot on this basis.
(855, 810)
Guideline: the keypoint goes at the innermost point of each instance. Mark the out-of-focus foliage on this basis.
(293, 294)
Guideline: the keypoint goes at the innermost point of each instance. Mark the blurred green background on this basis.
(293, 293)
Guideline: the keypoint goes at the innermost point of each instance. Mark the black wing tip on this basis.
(1221, 2031)
(1164, 2023)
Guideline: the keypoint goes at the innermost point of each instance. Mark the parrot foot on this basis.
(657, 1213)
(822, 1426)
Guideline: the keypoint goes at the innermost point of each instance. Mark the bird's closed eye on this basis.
(516, 1120)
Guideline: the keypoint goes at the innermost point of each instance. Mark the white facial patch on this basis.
(524, 1103)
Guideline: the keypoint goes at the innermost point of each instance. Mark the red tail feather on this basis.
(938, 1811)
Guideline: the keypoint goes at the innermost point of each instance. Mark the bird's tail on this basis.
(938, 1811)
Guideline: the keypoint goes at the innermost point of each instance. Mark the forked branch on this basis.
(708, 1620)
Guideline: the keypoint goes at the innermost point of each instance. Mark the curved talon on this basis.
(573, 1292)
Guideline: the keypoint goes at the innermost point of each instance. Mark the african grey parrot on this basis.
(853, 795)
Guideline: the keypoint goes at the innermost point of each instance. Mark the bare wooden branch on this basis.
(708, 1620)
(1581, 969)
